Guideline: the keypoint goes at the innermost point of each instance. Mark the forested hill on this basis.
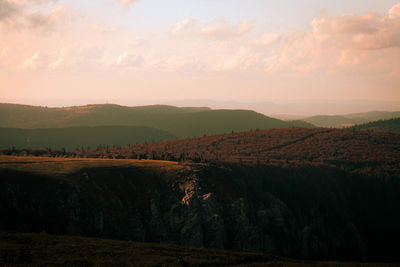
(77, 137)
(392, 125)
(181, 122)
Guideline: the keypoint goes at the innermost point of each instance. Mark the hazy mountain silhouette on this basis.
(338, 121)
(181, 122)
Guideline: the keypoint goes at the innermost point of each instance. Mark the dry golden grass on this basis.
(63, 166)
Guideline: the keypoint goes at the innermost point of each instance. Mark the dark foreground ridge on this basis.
(308, 212)
(50, 250)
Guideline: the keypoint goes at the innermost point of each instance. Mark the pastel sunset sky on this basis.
(200, 49)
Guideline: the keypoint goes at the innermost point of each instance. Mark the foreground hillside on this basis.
(308, 212)
(181, 122)
(43, 249)
(392, 125)
(364, 152)
(76, 137)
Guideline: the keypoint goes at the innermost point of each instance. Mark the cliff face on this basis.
(312, 213)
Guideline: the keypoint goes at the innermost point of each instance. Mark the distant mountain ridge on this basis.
(348, 120)
(180, 122)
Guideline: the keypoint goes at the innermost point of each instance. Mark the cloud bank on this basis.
(335, 52)
(368, 31)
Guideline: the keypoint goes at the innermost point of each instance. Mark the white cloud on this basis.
(394, 12)
(242, 60)
(75, 58)
(219, 28)
(267, 40)
(186, 26)
(56, 64)
(79, 57)
(128, 60)
(32, 62)
(4, 51)
(126, 2)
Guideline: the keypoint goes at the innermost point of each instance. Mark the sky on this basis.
(157, 51)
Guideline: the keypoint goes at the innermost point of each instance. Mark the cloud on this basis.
(78, 57)
(126, 2)
(367, 43)
(347, 24)
(9, 9)
(219, 28)
(242, 60)
(368, 31)
(267, 40)
(13, 13)
(56, 64)
(4, 51)
(45, 21)
(174, 63)
(186, 26)
(128, 60)
(73, 58)
(32, 62)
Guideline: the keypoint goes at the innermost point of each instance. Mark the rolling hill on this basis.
(181, 122)
(76, 137)
(347, 120)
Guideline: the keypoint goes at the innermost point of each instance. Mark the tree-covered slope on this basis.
(392, 125)
(76, 137)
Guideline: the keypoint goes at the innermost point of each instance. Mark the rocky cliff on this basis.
(309, 212)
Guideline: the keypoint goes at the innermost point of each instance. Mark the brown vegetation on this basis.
(361, 151)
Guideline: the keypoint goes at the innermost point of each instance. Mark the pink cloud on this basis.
(368, 31)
